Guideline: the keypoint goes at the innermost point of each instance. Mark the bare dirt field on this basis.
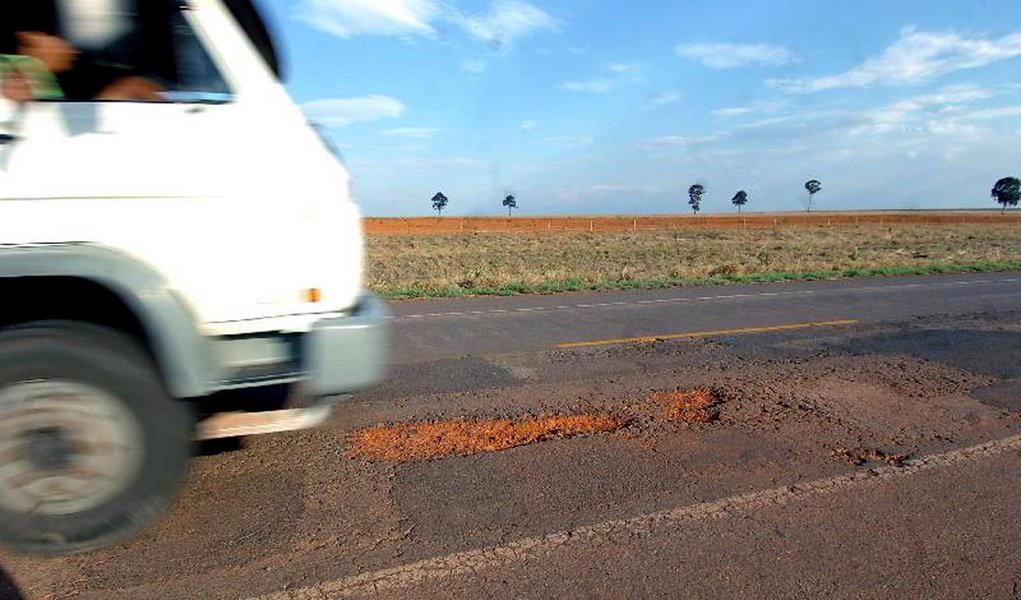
(484, 261)
(435, 225)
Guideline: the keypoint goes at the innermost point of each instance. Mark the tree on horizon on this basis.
(511, 203)
(440, 202)
(740, 199)
(695, 194)
(814, 186)
(1007, 192)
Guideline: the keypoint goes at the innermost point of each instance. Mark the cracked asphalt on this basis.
(875, 459)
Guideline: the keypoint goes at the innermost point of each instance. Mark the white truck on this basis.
(171, 227)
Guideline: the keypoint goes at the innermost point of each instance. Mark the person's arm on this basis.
(53, 52)
(132, 88)
(25, 31)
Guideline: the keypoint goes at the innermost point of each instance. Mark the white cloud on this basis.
(990, 114)
(529, 124)
(570, 142)
(911, 111)
(505, 23)
(669, 140)
(583, 194)
(916, 57)
(927, 124)
(762, 106)
(440, 163)
(419, 133)
(730, 56)
(338, 112)
(350, 18)
(951, 127)
(667, 98)
(592, 86)
(476, 66)
(617, 75)
(624, 68)
(735, 111)
(943, 113)
(679, 140)
(621, 188)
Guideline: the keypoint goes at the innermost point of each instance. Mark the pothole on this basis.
(692, 406)
(406, 442)
(412, 442)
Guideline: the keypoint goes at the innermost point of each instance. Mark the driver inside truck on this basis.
(88, 49)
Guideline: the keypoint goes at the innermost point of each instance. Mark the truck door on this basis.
(7, 139)
(136, 115)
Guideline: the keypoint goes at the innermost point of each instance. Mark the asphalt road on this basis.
(785, 495)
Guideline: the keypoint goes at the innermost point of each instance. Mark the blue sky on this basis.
(617, 107)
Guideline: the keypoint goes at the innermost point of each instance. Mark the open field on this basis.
(434, 225)
(503, 263)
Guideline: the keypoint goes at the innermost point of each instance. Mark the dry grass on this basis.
(696, 406)
(476, 261)
(409, 442)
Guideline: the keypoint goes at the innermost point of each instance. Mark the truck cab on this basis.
(171, 228)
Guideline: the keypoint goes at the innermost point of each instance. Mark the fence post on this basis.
(591, 226)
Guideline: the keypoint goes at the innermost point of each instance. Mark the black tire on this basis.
(117, 366)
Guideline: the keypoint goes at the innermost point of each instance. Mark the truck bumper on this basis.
(349, 353)
(337, 356)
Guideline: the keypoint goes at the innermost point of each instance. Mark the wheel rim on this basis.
(65, 447)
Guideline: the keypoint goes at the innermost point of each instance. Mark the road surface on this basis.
(787, 494)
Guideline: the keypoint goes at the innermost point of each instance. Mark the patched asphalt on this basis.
(930, 368)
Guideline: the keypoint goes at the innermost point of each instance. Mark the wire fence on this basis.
(580, 224)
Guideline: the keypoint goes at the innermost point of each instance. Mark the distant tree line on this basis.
(740, 199)
(511, 203)
(440, 202)
(1006, 192)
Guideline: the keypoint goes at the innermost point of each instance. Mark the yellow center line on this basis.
(700, 334)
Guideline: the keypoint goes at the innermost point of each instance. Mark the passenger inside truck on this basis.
(101, 50)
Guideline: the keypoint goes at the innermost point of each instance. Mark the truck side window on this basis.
(198, 79)
(103, 50)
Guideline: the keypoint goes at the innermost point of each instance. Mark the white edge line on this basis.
(708, 298)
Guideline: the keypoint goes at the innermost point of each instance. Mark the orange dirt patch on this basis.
(409, 442)
(695, 406)
(576, 224)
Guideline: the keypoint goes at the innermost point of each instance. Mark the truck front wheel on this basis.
(92, 449)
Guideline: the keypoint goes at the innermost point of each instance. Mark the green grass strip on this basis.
(578, 285)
